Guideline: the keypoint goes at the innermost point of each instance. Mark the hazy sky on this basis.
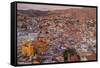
(22, 6)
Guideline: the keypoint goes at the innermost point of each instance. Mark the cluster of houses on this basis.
(62, 32)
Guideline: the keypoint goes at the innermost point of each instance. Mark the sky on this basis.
(23, 6)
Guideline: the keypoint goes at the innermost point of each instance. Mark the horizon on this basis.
(22, 6)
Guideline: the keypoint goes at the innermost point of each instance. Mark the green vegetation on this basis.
(68, 52)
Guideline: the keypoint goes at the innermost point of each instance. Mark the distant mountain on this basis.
(33, 13)
(76, 12)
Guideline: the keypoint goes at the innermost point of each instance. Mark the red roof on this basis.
(91, 57)
(74, 58)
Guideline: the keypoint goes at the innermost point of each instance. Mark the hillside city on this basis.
(56, 36)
